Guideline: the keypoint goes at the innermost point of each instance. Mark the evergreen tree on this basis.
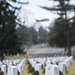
(62, 10)
(9, 44)
(58, 33)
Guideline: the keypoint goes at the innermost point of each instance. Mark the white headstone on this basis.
(19, 67)
(33, 64)
(38, 68)
(10, 64)
(12, 70)
(62, 68)
(3, 69)
(52, 70)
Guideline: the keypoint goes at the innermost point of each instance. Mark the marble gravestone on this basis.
(12, 70)
(33, 64)
(52, 70)
(19, 67)
(38, 68)
(62, 68)
(3, 69)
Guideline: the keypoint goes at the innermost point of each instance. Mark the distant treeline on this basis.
(31, 36)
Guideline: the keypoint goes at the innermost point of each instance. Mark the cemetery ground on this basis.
(25, 71)
(70, 72)
(72, 68)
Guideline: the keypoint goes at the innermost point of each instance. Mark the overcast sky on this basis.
(33, 11)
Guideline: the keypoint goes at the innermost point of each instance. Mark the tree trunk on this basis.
(68, 36)
(68, 43)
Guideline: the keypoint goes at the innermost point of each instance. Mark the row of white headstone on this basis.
(13, 67)
(51, 67)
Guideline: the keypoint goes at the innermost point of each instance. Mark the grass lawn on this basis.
(25, 72)
(72, 68)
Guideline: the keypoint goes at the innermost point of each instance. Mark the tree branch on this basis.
(16, 7)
